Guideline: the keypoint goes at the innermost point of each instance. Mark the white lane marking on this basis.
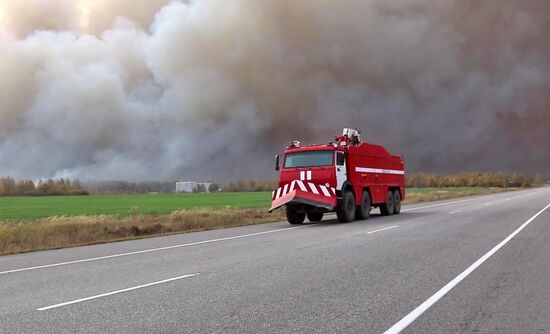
(151, 250)
(409, 318)
(302, 175)
(488, 203)
(383, 229)
(439, 204)
(460, 201)
(300, 184)
(308, 175)
(453, 212)
(115, 292)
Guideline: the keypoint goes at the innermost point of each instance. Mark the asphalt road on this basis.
(361, 277)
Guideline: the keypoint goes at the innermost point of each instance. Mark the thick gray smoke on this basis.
(212, 89)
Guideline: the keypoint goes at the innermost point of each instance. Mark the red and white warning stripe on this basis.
(317, 189)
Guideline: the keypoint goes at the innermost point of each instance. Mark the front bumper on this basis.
(303, 192)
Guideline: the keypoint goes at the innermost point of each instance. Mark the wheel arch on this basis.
(347, 186)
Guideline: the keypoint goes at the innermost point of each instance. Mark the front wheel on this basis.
(294, 217)
(314, 216)
(345, 212)
(387, 208)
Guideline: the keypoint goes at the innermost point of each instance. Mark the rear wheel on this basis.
(387, 208)
(397, 202)
(293, 216)
(363, 212)
(346, 208)
(314, 216)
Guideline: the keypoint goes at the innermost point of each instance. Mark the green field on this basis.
(22, 208)
(26, 208)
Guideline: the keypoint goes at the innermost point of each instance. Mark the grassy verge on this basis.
(29, 224)
(418, 195)
(57, 232)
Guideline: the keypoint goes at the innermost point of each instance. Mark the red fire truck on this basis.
(347, 176)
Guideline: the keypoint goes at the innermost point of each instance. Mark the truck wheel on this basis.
(314, 216)
(397, 202)
(387, 208)
(294, 217)
(346, 208)
(363, 212)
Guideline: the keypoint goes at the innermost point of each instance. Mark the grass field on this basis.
(24, 208)
(36, 223)
(120, 206)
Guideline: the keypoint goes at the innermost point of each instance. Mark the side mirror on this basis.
(277, 162)
(340, 159)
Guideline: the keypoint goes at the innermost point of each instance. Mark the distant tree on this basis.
(537, 181)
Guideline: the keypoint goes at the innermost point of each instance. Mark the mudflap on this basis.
(302, 192)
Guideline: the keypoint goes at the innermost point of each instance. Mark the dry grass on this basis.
(57, 232)
(443, 194)
(65, 231)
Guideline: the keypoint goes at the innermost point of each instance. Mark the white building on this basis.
(192, 186)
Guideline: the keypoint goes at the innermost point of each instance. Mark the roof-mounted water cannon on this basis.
(349, 136)
(294, 144)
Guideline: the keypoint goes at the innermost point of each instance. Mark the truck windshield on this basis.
(309, 159)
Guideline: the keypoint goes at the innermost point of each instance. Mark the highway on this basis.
(472, 265)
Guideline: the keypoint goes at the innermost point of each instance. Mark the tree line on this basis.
(420, 180)
(472, 179)
(250, 185)
(115, 187)
(9, 186)
(12, 187)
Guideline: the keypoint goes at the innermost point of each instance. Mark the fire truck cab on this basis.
(347, 176)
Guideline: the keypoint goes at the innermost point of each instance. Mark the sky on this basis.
(213, 89)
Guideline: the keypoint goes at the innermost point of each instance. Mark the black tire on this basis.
(363, 212)
(396, 202)
(345, 212)
(387, 208)
(294, 217)
(314, 216)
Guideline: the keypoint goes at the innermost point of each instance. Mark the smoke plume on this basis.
(212, 89)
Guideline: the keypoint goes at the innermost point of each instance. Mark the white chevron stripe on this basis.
(313, 188)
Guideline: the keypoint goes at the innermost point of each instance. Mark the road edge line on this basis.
(419, 310)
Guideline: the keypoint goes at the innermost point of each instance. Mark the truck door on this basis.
(341, 171)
